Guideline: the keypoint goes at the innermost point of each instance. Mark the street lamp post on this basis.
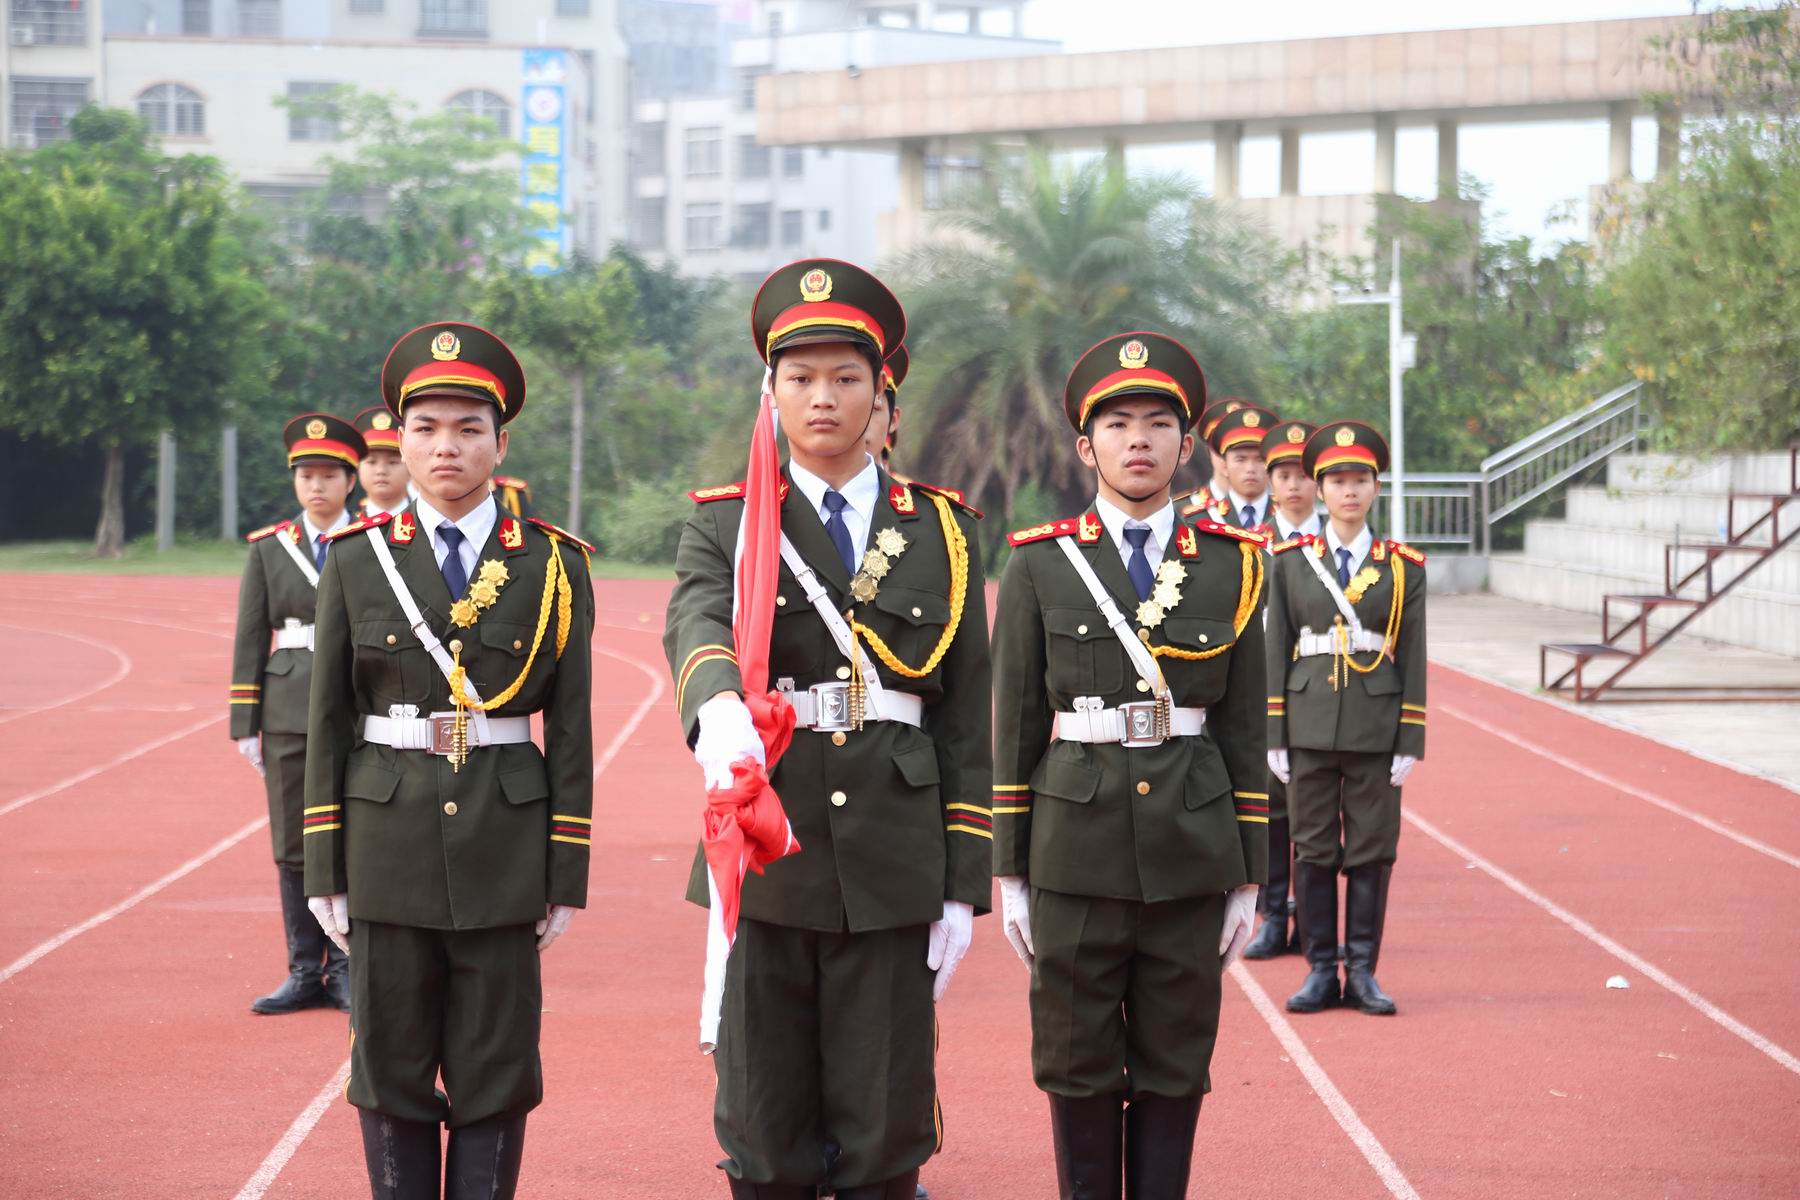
(1399, 356)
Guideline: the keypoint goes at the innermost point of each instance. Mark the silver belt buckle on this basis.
(831, 707)
(1146, 724)
(443, 733)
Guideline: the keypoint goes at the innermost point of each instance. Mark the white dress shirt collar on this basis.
(1161, 523)
(1358, 546)
(1310, 525)
(860, 496)
(1260, 505)
(476, 525)
(313, 532)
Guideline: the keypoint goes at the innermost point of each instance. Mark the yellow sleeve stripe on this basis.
(573, 841)
(323, 828)
(988, 834)
(977, 809)
(1012, 811)
(1277, 699)
(1249, 820)
(1251, 795)
(1012, 787)
(571, 820)
(1419, 721)
(243, 700)
(323, 808)
(695, 661)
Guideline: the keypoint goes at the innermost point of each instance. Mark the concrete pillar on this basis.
(1018, 20)
(1447, 164)
(1115, 156)
(1668, 140)
(228, 483)
(1227, 136)
(1618, 144)
(1385, 154)
(165, 491)
(1290, 162)
(925, 15)
(909, 208)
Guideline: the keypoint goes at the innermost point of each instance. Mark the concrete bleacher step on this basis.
(1638, 554)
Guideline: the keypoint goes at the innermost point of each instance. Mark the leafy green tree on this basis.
(126, 304)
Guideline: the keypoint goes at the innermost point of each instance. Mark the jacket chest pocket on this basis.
(1195, 680)
(1084, 656)
(391, 665)
(505, 646)
(799, 639)
(910, 620)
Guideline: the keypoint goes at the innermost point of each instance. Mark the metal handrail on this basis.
(1556, 427)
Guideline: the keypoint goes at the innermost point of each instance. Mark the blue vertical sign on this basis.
(545, 169)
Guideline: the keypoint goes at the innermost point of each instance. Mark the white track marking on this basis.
(132, 901)
(19, 802)
(1655, 974)
(1619, 785)
(119, 656)
(1360, 1135)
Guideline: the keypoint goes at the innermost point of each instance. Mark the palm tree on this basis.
(1043, 260)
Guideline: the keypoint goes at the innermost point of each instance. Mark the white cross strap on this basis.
(292, 546)
(1141, 659)
(423, 632)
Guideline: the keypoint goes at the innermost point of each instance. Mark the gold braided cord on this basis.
(959, 591)
(552, 574)
(1342, 659)
(1249, 591)
(565, 601)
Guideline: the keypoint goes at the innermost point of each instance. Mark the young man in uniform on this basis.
(884, 423)
(383, 472)
(1291, 513)
(1346, 649)
(825, 1051)
(270, 688)
(1237, 439)
(1205, 500)
(444, 851)
(1129, 803)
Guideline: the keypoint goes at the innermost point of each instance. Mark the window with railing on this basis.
(453, 18)
(259, 18)
(793, 227)
(704, 150)
(753, 160)
(483, 105)
(173, 110)
(312, 117)
(49, 22)
(705, 224)
(793, 162)
(41, 109)
(196, 17)
(651, 158)
(752, 226)
(647, 223)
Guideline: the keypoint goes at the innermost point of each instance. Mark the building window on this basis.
(775, 23)
(747, 89)
(259, 18)
(173, 110)
(651, 136)
(752, 227)
(41, 109)
(572, 8)
(311, 116)
(703, 150)
(367, 8)
(49, 22)
(453, 18)
(753, 160)
(793, 162)
(824, 220)
(793, 226)
(704, 225)
(196, 16)
(647, 223)
(485, 106)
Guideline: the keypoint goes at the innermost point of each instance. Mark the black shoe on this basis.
(741, 1190)
(1088, 1133)
(1271, 940)
(337, 991)
(901, 1187)
(296, 993)
(919, 1193)
(402, 1157)
(1159, 1146)
(303, 988)
(1365, 917)
(483, 1160)
(1315, 887)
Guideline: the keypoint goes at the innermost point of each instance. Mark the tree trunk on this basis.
(109, 535)
(577, 403)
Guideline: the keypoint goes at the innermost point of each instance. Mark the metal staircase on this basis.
(1629, 641)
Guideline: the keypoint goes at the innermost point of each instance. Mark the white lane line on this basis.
(1619, 785)
(19, 802)
(1706, 1007)
(1360, 1135)
(264, 1176)
(119, 656)
(138, 897)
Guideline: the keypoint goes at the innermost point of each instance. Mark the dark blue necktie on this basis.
(320, 546)
(1343, 567)
(455, 578)
(840, 532)
(1249, 516)
(1138, 565)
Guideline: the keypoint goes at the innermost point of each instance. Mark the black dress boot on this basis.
(1089, 1135)
(1271, 940)
(743, 1190)
(1365, 915)
(901, 1187)
(304, 987)
(337, 976)
(1316, 889)
(402, 1157)
(1159, 1146)
(483, 1160)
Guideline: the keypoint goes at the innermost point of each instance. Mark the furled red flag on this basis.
(745, 827)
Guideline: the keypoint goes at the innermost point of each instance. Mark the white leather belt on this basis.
(1138, 725)
(432, 734)
(1359, 640)
(294, 636)
(825, 707)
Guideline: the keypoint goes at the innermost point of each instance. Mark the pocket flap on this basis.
(919, 765)
(279, 664)
(1082, 624)
(509, 637)
(391, 636)
(1383, 680)
(915, 606)
(1198, 633)
(1072, 781)
(1297, 675)
(370, 781)
(526, 782)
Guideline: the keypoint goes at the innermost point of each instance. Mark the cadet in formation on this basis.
(826, 1076)
(1130, 809)
(1346, 651)
(1237, 438)
(270, 686)
(386, 485)
(514, 495)
(444, 851)
(1205, 500)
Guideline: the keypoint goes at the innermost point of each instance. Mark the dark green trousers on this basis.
(284, 779)
(826, 1056)
(462, 1003)
(1342, 811)
(1124, 995)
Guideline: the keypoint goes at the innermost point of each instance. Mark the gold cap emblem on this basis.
(1233, 406)
(1296, 435)
(815, 286)
(381, 421)
(446, 347)
(1346, 436)
(1134, 355)
(1252, 420)
(315, 429)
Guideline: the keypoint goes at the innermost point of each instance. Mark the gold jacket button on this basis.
(1143, 685)
(838, 799)
(392, 640)
(456, 645)
(1203, 639)
(918, 612)
(1143, 787)
(843, 672)
(450, 806)
(838, 738)
(781, 602)
(1081, 629)
(518, 645)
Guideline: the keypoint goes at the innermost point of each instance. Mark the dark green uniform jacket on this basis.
(269, 690)
(1186, 818)
(1378, 711)
(411, 841)
(894, 820)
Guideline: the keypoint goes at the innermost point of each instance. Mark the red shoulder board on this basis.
(1299, 539)
(1231, 531)
(564, 534)
(1037, 533)
(953, 495)
(371, 522)
(1407, 552)
(510, 481)
(729, 491)
(268, 531)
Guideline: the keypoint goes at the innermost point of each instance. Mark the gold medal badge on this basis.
(482, 593)
(1365, 579)
(1164, 596)
(889, 545)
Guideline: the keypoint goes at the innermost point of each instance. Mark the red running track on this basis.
(1544, 853)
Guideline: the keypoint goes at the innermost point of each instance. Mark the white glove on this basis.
(1240, 916)
(251, 748)
(333, 914)
(950, 940)
(1278, 764)
(1403, 765)
(727, 735)
(554, 925)
(1015, 915)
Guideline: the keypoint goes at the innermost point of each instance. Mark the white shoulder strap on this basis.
(422, 630)
(834, 620)
(1145, 662)
(1331, 585)
(289, 544)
